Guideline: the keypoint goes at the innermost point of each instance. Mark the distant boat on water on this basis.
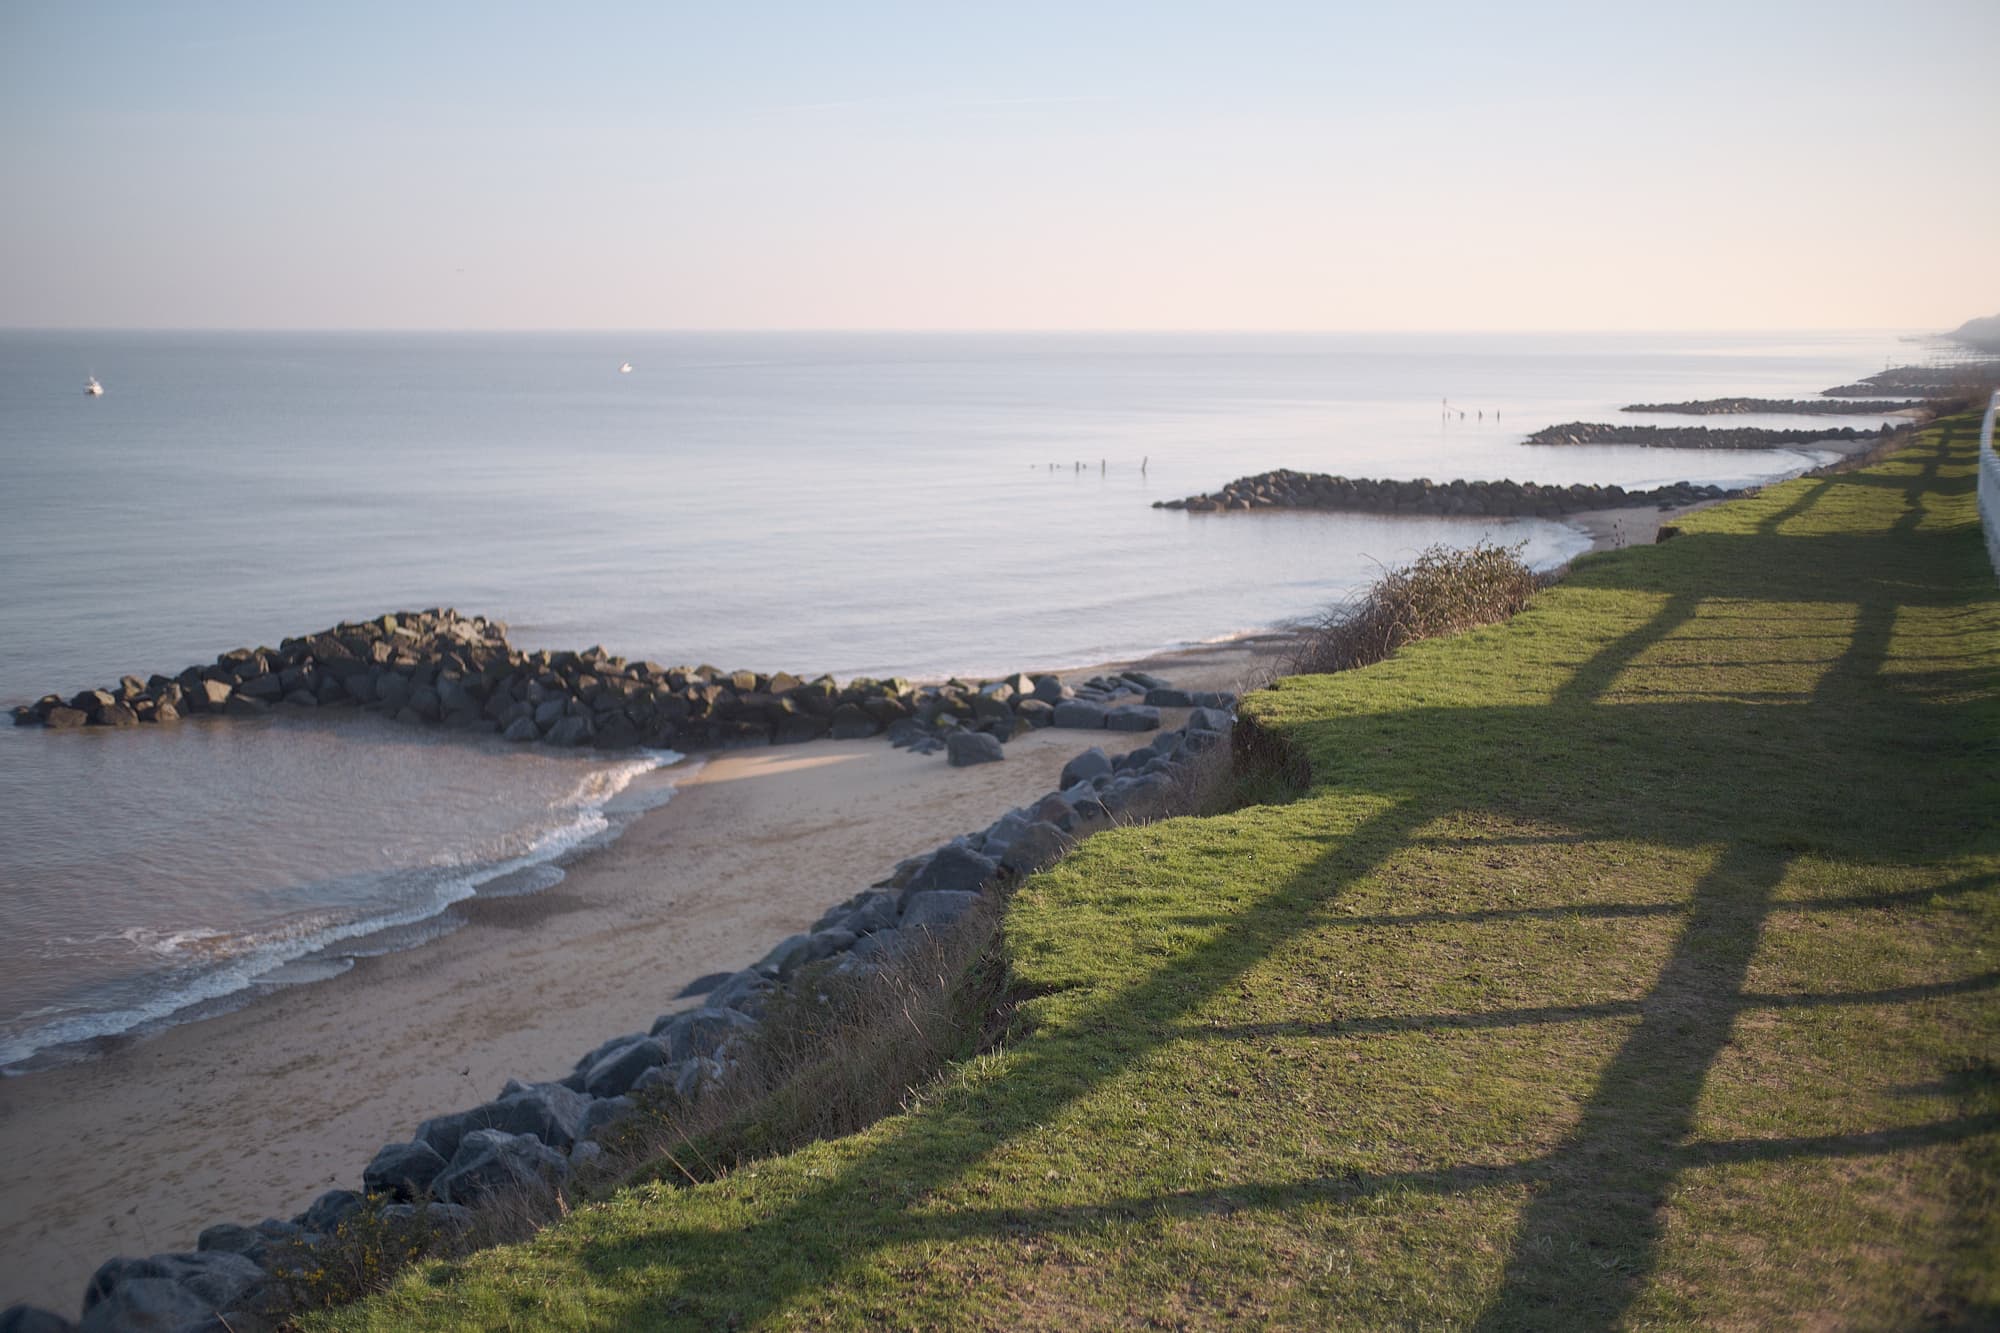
(625, 369)
(92, 389)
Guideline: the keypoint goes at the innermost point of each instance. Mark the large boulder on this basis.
(1138, 717)
(1163, 697)
(1079, 714)
(403, 1170)
(549, 1111)
(209, 695)
(569, 731)
(1210, 719)
(937, 908)
(702, 1031)
(603, 1115)
(788, 954)
(618, 1071)
(1084, 767)
(33, 1319)
(145, 1305)
(166, 1291)
(493, 1162)
(265, 687)
(329, 1210)
(1039, 845)
(1035, 712)
(1051, 690)
(966, 748)
(954, 867)
(873, 910)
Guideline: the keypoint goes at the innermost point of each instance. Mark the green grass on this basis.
(1631, 963)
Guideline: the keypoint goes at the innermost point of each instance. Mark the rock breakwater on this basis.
(1798, 407)
(1691, 437)
(1946, 381)
(1285, 489)
(438, 668)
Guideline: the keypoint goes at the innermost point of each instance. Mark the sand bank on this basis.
(253, 1113)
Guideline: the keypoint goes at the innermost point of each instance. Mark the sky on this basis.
(1241, 165)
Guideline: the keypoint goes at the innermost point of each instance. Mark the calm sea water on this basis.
(862, 504)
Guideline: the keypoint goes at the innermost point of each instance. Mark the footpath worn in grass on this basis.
(1630, 963)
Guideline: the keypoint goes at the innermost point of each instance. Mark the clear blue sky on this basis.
(1018, 165)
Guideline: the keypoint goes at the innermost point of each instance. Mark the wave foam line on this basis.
(240, 973)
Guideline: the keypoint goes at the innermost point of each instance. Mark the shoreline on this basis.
(253, 1111)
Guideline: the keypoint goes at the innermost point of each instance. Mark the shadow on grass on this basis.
(1588, 1239)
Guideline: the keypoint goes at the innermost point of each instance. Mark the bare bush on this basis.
(1443, 591)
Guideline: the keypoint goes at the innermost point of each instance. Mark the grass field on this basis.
(1632, 963)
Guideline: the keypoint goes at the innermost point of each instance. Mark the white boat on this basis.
(625, 369)
(92, 388)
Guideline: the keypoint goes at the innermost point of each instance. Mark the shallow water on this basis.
(864, 504)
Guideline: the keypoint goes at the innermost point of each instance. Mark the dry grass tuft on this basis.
(1444, 591)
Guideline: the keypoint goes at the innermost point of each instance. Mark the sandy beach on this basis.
(253, 1113)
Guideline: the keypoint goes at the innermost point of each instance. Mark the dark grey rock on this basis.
(1162, 697)
(1078, 713)
(550, 1111)
(876, 948)
(966, 748)
(329, 1210)
(1085, 767)
(144, 1305)
(265, 688)
(606, 1048)
(747, 991)
(1210, 719)
(1035, 712)
(1051, 690)
(700, 1032)
(1000, 834)
(938, 907)
(834, 939)
(493, 1162)
(32, 1319)
(694, 1077)
(232, 1239)
(569, 731)
(788, 954)
(1041, 844)
(617, 1072)
(206, 1281)
(603, 1115)
(1213, 699)
(1135, 717)
(956, 868)
(403, 1170)
(873, 910)
(521, 729)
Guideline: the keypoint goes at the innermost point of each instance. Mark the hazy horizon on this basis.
(1292, 167)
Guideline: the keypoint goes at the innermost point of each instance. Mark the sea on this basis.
(917, 504)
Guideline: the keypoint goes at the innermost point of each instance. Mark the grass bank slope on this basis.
(1630, 963)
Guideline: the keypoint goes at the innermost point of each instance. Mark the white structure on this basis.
(1989, 484)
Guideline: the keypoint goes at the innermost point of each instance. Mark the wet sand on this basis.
(253, 1113)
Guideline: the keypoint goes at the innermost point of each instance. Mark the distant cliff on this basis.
(1983, 333)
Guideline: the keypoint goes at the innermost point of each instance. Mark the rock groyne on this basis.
(1691, 437)
(1285, 489)
(438, 668)
(1946, 381)
(1798, 407)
